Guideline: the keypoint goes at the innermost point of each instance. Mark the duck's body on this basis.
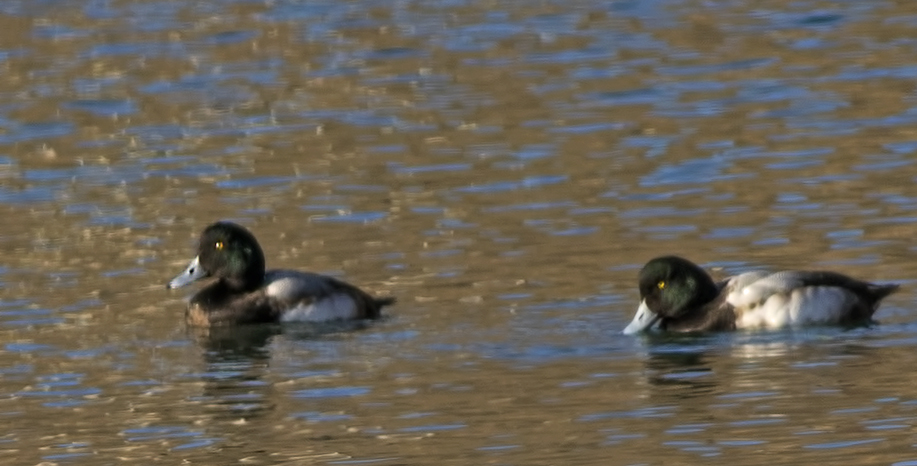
(679, 296)
(244, 293)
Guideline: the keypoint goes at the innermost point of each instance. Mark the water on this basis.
(504, 169)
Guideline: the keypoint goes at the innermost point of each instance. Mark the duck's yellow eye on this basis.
(661, 285)
(218, 245)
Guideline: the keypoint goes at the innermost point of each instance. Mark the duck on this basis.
(677, 295)
(243, 292)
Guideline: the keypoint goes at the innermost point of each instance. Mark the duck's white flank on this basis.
(781, 300)
(334, 307)
(306, 288)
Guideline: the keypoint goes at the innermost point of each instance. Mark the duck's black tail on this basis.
(373, 305)
(386, 301)
(870, 296)
(878, 292)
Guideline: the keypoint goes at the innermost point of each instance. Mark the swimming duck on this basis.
(244, 293)
(679, 296)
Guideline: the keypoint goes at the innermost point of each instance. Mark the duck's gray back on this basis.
(291, 285)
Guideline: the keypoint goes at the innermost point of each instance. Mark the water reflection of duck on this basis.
(237, 360)
(237, 364)
(234, 343)
(679, 296)
(244, 293)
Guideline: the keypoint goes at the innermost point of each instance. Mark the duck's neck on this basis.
(710, 319)
(249, 282)
(705, 312)
(706, 290)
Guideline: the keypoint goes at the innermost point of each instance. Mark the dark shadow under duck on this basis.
(242, 292)
(679, 296)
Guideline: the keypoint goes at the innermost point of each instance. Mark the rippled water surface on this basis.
(504, 169)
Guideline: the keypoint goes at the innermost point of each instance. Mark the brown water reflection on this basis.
(504, 169)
